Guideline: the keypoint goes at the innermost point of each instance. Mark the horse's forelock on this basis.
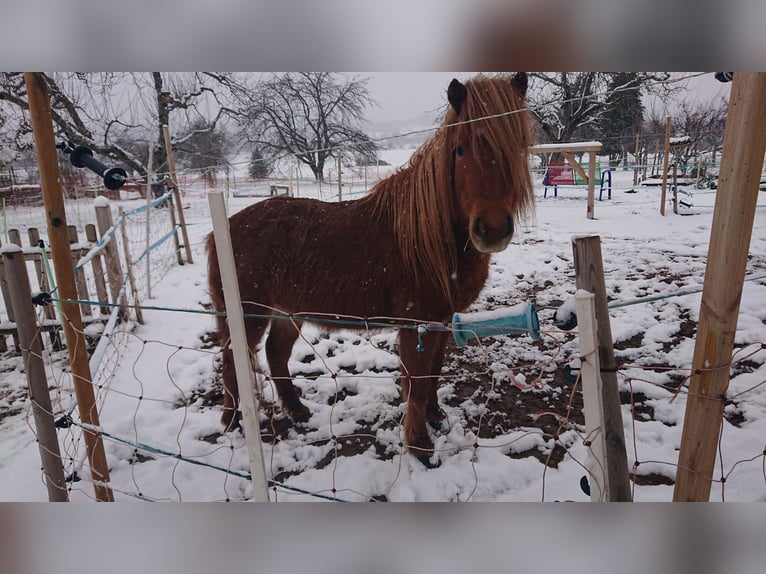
(497, 124)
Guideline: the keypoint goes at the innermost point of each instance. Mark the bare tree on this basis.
(312, 116)
(704, 123)
(570, 105)
(112, 113)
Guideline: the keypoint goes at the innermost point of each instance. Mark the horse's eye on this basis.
(459, 151)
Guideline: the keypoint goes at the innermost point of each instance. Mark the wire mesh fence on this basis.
(513, 427)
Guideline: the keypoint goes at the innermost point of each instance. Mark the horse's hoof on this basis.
(428, 463)
(301, 414)
(423, 450)
(231, 420)
(437, 425)
(436, 418)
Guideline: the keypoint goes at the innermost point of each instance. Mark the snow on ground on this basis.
(507, 394)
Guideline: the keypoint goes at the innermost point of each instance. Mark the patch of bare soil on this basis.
(552, 406)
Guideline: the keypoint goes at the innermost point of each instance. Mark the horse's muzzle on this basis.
(490, 235)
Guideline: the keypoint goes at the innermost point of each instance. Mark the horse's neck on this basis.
(471, 273)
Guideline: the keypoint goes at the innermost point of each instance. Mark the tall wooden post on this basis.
(37, 381)
(665, 159)
(149, 181)
(591, 185)
(340, 183)
(53, 198)
(177, 192)
(635, 156)
(743, 151)
(589, 272)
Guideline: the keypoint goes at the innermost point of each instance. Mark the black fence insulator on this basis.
(42, 299)
(724, 76)
(82, 156)
(64, 422)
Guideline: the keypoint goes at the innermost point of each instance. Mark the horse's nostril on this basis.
(478, 228)
(509, 226)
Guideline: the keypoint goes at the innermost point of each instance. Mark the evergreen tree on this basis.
(622, 116)
(260, 166)
(203, 148)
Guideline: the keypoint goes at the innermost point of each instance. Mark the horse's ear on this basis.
(456, 94)
(520, 82)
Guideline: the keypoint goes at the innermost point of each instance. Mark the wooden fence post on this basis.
(129, 265)
(42, 273)
(98, 269)
(743, 151)
(176, 241)
(665, 160)
(177, 192)
(31, 349)
(113, 266)
(589, 271)
(591, 214)
(53, 198)
(3, 344)
(8, 309)
(79, 274)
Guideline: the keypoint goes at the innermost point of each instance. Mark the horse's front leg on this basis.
(419, 388)
(434, 414)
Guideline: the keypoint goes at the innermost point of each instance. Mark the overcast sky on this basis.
(406, 95)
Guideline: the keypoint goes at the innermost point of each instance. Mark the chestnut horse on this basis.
(417, 247)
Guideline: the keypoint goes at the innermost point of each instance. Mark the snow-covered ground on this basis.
(514, 430)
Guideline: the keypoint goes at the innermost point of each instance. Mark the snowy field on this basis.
(514, 428)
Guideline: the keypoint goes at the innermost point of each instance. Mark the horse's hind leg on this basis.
(279, 346)
(231, 416)
(254, 329)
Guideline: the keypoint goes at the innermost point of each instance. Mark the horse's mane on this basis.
(419, 197)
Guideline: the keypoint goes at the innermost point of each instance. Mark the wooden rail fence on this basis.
(89, 277)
